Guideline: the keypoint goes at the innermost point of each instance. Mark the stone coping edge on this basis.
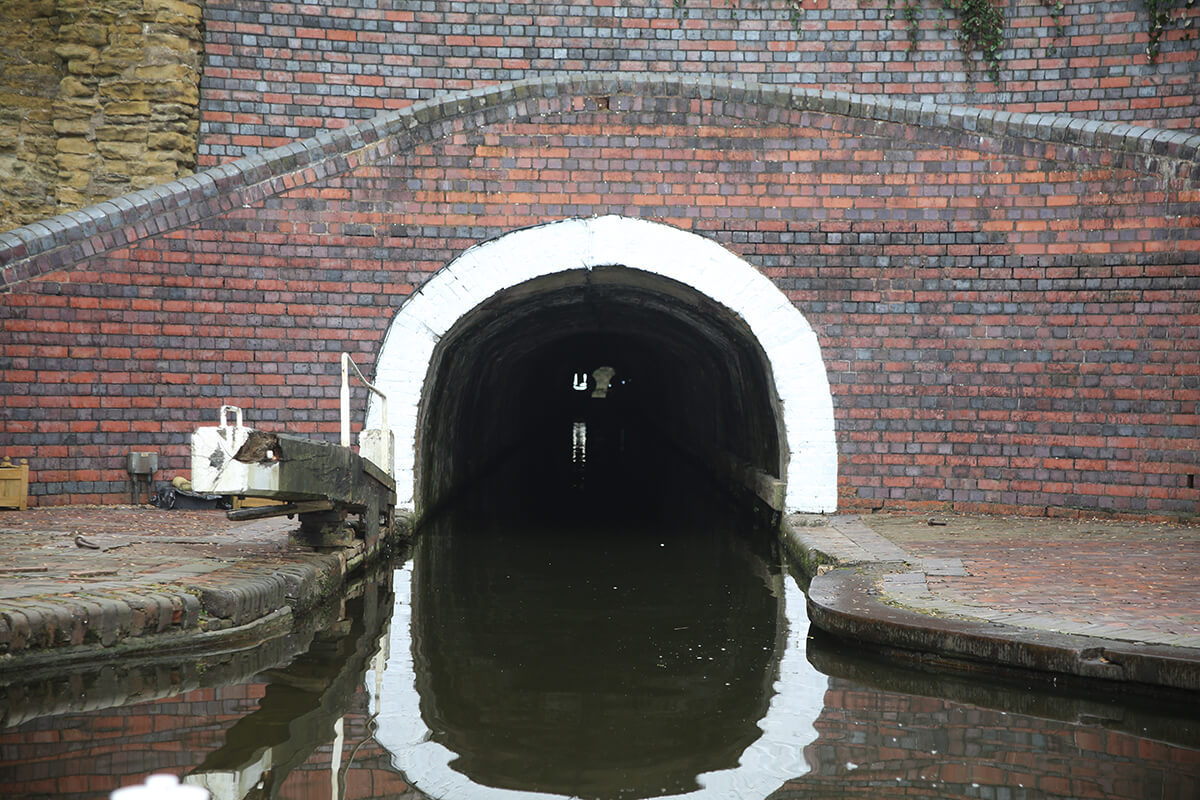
(246, 602)
(70, 238)
(842, 602)
(253, 634)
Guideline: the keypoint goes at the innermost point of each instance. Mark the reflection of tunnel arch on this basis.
(741, 365)
(590, 658)
(776, 756)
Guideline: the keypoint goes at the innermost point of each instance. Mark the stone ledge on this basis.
(842, 602)
(853, 570)
(103, 622)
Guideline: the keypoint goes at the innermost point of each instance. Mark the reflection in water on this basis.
(620, 636)
(897, 732)
(287, 718)
(559, 656)
(301, 708)
(604, 659)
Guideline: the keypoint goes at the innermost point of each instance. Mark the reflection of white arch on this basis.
(479, 273)
(775, 757)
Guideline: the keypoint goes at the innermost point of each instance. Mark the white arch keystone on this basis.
(791, 347)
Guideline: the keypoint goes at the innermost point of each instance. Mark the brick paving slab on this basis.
(78, 580)
(1136, 582)
(1099, 583)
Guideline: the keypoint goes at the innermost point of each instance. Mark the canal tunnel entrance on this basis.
(592, 384)
(587, 350)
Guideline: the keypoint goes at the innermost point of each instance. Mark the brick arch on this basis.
(787, 340)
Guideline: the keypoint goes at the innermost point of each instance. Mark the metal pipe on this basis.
(345, 401)
(347, 364)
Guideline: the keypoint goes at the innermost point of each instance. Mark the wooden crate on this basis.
(14, 484)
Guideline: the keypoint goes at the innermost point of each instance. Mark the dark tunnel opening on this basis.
(596, 382)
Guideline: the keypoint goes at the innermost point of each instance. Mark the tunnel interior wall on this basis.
(1008, 307)
(516, 381)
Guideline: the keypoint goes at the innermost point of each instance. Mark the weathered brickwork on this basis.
(276, 71)
(100, 98)
(1008, 306)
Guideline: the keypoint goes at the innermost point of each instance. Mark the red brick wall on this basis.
(276, 71)
(1009, 307)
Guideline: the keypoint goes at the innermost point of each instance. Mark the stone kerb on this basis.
(72, 238)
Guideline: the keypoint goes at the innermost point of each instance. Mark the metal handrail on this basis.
(346, 364)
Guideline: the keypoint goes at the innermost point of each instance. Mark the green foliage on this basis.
(795, 13)
(1158, 13)
(980, 29)
(911, 16)
(981, 24)
(1055, 7)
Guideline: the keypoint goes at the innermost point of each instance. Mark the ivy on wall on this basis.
(981, 24)
(1159, 20)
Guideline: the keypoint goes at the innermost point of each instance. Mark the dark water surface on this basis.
(586, 649)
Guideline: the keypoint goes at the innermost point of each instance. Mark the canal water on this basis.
(647, 642)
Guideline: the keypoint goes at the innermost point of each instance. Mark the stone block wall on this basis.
(281, 70)
(1008, 306)
(30, 72)
(101, 98)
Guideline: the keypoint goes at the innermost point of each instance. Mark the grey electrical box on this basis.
(143, 463)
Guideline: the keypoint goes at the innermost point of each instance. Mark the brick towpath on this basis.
(83, 582)
(1092, 586)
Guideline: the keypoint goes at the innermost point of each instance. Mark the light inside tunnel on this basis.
(514, 374)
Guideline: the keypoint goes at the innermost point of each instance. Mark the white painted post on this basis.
(375, 445)
(345, 399)
(161, 787)
(335, 764)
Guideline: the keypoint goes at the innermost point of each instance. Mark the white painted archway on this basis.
(786, 338)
